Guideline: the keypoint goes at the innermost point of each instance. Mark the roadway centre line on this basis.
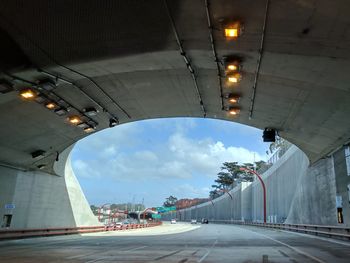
(292, 248)
(208, 251)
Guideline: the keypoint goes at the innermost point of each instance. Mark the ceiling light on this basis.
(61, 111)
(83, 125)
(232, 98)
(232, 66)
(27, 94)
(74, 119)
(234, 78)
(89, 129)
(113, 122)
(90, 111)
(40, 98)
(233, 30)
(51, 105)
(233, 111)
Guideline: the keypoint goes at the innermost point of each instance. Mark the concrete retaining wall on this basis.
(43, 200)
(296, 193)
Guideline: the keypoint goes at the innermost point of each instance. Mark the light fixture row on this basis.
(60, 107)
(233, 68)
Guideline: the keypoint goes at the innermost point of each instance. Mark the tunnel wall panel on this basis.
(296, 193)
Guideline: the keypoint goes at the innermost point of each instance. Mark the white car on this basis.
(173, 221)
(194, 221)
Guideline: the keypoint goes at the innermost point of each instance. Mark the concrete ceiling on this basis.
(124, 56)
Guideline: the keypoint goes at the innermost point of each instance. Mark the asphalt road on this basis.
(179, 243)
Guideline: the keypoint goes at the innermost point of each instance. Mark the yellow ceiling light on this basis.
(232, 98)
(232, 67)
(74, 119)
(89, 129)
(27, 94)
(233, 111)
(234, 78)
(233, 30)
(50, 105)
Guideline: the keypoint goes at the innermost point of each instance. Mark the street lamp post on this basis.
(262, 184)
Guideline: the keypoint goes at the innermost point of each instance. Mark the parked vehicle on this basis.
(205, 221)
(173, 221)
(194, 221)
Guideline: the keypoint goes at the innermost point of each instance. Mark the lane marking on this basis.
(136, 248)
(208, 251)
(292, 248)
(167, 255)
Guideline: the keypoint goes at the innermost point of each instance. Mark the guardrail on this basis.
(38, 232)
(318, 230)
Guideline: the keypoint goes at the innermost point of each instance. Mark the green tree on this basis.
(94, 209)
(170, 201)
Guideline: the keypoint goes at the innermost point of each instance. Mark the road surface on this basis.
(179, 243)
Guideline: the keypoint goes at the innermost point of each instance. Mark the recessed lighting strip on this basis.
(217, 62)
(47, 95)
(186, 59)
(261, 50)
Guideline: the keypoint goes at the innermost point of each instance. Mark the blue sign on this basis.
(10, 206)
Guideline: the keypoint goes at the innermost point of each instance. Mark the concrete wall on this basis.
(342, 171)
(296, 193)
(43, 200)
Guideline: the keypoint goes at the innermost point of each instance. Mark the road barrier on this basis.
(38, 232)
(318, 230)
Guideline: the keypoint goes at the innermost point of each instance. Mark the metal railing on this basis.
(318, 230)
(38, 232)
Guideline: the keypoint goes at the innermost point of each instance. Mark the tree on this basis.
(214, 194)
(170, 201)
(94, 209)
(260, 164)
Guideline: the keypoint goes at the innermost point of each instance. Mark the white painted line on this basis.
(208, 252)
(80, 256)
(292, 248)
(136, 248)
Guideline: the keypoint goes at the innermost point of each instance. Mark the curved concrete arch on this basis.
(125, 57)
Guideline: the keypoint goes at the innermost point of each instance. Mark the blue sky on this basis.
(153, 159)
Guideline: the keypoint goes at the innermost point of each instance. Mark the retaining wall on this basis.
(296, 193)
(44, 200)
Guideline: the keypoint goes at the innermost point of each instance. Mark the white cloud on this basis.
(118, 153)
(189, 191)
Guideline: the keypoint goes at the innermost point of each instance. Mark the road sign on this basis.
(163, 209)
(10, 206)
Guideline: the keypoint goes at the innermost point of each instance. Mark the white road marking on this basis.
(136, 248)
(292, 248)
(208, 252)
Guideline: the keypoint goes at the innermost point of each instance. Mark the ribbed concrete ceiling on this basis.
(124, 56)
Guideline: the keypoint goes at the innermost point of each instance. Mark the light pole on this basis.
(262, 184)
